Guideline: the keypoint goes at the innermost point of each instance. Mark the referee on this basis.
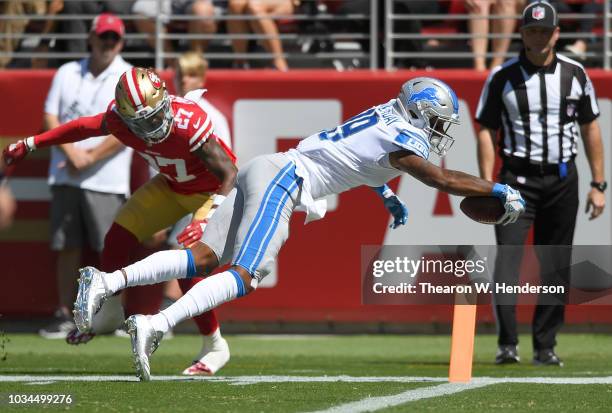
(537, 101)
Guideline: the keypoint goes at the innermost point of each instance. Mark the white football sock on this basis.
(214, 337)
(156, 268)
(114, 281)
(211, 342)
(205, 295)
(160, 323)
(215, 355)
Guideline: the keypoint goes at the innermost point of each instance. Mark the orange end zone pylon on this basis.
(462, 341)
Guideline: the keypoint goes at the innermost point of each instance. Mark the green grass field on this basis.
(308, 373)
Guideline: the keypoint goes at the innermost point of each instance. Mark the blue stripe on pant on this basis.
(258, 216)
(266, 220)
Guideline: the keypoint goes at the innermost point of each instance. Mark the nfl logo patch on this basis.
(538, 13)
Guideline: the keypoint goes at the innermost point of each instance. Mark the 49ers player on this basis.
(196, 172)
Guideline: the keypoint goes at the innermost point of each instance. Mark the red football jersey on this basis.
(175, 156)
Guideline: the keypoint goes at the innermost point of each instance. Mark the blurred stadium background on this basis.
(338, 64)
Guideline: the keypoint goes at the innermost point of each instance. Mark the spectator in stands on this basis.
(584, 25)
(16, 27)
(205, 9)
(400, 26)
(90, 179)
(263, 24)
(7, 202)
(479, 11)
(79, 26)
(191, 76)
(47, 28)
(414, 26)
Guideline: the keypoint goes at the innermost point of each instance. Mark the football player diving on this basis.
(252, 224)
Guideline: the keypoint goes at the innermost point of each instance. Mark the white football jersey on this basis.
(357, 152)
(76, 92)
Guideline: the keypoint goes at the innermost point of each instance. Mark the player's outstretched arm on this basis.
(459, 183)
(73, 131)
(453, 182)
(219, 163)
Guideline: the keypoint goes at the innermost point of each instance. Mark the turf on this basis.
(520, 398)
(312, 356)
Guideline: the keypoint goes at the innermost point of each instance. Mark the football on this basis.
(483, 209)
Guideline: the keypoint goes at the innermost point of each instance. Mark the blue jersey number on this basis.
(355, 124)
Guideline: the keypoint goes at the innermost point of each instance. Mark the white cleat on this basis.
(145, 341)
(212, 359)
(92, 294)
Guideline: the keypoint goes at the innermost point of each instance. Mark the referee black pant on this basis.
(551, 207)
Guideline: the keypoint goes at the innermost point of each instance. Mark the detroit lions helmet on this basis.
(142, 102)
(432, 105)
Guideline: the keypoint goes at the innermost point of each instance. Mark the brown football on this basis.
(483, 209)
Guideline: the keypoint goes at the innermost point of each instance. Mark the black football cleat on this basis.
(507, 355)
(546, 357)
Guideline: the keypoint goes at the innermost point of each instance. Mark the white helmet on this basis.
(432, 105)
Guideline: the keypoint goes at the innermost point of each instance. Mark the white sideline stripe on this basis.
(382, 402)
(237, 380)
(244, 380)
(368, 404)
(549, 380)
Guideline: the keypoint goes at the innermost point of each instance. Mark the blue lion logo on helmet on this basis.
(428, 94)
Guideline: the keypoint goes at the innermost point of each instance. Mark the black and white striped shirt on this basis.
(538, 108)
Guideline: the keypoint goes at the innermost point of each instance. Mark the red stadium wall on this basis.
(318, 271)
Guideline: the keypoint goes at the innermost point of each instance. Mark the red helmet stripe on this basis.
(134, 90)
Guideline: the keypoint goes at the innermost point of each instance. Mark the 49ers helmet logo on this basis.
(155, 80)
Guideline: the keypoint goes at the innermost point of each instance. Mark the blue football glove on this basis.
(513, 203)
(394, 205)
(398, 209)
